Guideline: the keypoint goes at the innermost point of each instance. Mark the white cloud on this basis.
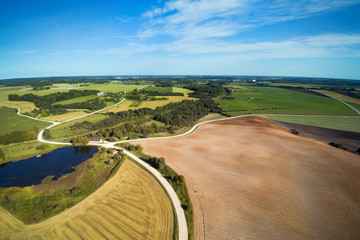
(202, 19)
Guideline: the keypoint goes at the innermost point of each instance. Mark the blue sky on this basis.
(310, 38)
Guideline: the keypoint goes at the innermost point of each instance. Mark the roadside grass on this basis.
(20, 151)
(345, 123)
(63, 130)
(63, 117)
(342, 97)
(281, 101)
(10, 121)
(78, 99)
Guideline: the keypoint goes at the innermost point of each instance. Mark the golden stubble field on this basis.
(131, 205)
(249, 179)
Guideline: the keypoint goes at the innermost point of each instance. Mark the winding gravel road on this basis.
(183, 230)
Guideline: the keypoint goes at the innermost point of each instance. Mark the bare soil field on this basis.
(350, 140)
(250, 179)
(131, 205)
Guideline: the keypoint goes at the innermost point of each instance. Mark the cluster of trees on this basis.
(211, 90)
(174, 115)
(80, 141)
(18, 136)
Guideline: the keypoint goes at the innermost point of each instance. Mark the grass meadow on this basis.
(261, 100)
(10, 121)
(345, 123)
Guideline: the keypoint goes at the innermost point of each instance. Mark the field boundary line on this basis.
(357, 111)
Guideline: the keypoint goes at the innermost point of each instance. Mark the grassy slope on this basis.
(346, 123)
(10, 121)
(131, 205)
(286, 102)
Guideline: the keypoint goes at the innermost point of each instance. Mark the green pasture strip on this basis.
(282, 101)
(10, 121)
(345, 123)
(77, 100)
(112, 87)
(159, 89)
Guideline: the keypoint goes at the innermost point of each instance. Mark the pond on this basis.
(56, 163)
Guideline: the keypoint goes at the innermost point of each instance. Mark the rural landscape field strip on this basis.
(131, 205)
(282, 187)
(333, 97)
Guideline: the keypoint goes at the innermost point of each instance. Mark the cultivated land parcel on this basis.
(247, 178)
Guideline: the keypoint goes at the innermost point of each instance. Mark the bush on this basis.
(338, 145)
(295, 132)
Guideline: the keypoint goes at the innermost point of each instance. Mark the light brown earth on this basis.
(250, 179)
(131, 205)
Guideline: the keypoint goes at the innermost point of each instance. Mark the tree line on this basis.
(18, 136)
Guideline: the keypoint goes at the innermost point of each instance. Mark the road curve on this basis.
(183, 230)
(357, 111)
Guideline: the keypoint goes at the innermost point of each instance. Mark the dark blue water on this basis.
(56, 163)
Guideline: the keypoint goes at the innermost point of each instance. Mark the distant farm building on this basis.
(100, 94)
(95, 140)
(113, 152)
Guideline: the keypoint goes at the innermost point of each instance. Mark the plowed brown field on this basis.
(131, 205)
(250, 179)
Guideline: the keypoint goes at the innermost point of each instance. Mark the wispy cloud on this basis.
(201, 19)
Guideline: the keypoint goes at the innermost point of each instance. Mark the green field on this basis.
(28, 106)
(112, 87)
(159, 89)
(77, 100)
(10, 121)
(345, 123)
(261, 100)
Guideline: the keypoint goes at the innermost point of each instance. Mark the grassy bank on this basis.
(20, 151)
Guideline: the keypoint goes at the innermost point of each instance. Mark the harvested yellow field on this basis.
(63, 117)
(131, 205)
(121, 107)
(155, 104)
(22, 105)
(149, 104)
(341, 96)
(182, 90)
